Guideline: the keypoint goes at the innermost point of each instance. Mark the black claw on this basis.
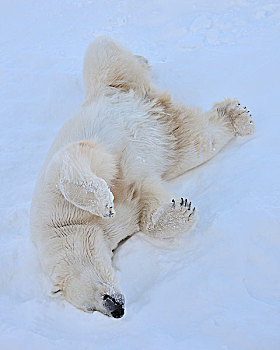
(245, 107)
(193, 210)
(173, 203)
(186, 202)
(190, 205)
(182, 201)
(238, 104)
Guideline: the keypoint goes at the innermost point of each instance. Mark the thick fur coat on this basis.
(103, 179)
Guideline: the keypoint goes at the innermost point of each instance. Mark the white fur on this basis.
(114, 156)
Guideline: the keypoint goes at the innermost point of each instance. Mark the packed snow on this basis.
(217, 287)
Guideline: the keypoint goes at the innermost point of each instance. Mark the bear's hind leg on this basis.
(144, 62)
(200, 136)
(107, 65)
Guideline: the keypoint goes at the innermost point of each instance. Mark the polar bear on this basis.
(104, 176)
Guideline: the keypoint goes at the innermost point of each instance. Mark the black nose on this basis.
(118, 313)
(114, 305)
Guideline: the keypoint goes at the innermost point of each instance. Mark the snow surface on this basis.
(219, 287)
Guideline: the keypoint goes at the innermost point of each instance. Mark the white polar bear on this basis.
(114, 155)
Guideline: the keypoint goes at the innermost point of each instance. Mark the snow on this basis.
(219, 286)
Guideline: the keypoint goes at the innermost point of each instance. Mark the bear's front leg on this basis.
(82, 172)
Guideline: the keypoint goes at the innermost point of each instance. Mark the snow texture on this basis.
(218, 287)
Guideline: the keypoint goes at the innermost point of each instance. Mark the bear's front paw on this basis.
(102, 199)
(92, 195)
(239, 117)
(170, 220)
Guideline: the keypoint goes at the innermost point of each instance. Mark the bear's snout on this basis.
(118, 313)
(114, 305)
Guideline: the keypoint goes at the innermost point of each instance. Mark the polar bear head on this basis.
(85, 276)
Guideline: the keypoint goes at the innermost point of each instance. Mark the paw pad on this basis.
(184, 206)
(241, 120)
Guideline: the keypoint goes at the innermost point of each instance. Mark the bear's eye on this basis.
(56, 291)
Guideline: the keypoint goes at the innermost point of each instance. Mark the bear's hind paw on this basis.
(240, 117)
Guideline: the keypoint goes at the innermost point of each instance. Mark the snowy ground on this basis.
(219, 289)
